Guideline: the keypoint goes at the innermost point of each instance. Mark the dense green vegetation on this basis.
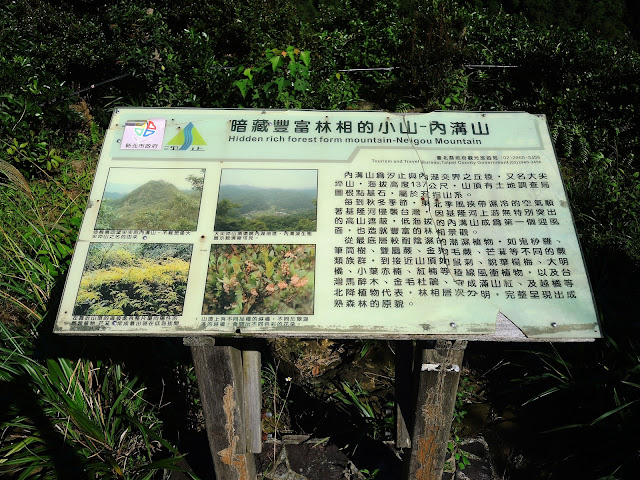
(260, 279)
(65, 65)
(134, 279)
(608, 19)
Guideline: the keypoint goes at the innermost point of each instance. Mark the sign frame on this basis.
(211, 143)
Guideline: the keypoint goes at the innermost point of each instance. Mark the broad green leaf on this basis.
(269, 265)
(236, 263)
(242, 86)
(275, 62)
(300, 85)
(305, 56)
(280, 82)
(239, 294)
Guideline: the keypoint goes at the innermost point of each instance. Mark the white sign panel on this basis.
(317, 223)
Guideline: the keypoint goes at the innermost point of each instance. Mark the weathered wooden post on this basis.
(437, 373)
(405, 393)
(229, 384)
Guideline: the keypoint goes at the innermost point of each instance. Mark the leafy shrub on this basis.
(36, 55)
(358, 35)
(121, 279)
(271, 279)
(280, 81)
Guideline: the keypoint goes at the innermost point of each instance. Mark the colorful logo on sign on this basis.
(146, 129)
(143, 134)
(187, 138)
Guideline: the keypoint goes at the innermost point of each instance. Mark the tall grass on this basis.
(66, 418)
(61, 417)
(25, 281)
(588, 398)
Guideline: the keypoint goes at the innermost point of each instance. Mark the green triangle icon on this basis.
(178, 139)
(196, 138)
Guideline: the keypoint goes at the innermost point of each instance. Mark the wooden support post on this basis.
(221, 382)
(404, 392)
(252, 400)
(438, 369)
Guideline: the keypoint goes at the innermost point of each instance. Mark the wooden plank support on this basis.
(404, 394)
(252, 400)
(221, 383)
(438, 370)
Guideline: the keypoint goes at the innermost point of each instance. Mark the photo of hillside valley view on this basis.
(151, 199)
(267, 200)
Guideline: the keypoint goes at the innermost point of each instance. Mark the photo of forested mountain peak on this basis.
(156, 191)
(267, 200)
(158, 199)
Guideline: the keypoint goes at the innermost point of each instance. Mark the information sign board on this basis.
(312, 223)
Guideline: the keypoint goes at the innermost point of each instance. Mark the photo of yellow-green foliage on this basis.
(151, 199)
(267, 200)
(134, 279)
(260, 279)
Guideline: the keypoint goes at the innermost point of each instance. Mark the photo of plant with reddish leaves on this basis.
(260, 279)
